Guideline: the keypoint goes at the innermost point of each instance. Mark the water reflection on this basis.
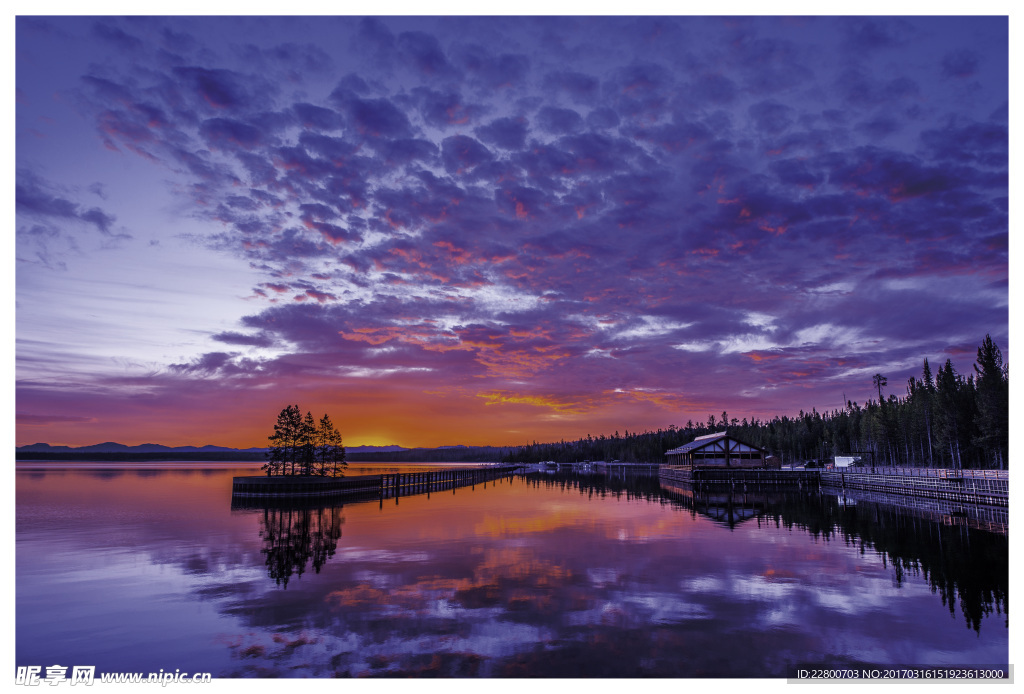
(546, 575)
(967, 567)
(619, 486)
(963, 566)
(294, 538)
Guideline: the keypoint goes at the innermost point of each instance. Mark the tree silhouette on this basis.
(879, 380)
(285, 442)
(302, 446)
(335, 458)
(329, 453)
(993, 395)
(307, 448)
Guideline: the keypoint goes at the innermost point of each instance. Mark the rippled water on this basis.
(138, 568)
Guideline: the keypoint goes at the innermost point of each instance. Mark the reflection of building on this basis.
(717, 450)
(725, 505)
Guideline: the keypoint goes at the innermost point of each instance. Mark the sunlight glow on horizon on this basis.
(455, 230)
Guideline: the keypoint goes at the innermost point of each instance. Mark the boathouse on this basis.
(717, 451)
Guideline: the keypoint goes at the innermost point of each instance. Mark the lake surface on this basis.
(135, 567)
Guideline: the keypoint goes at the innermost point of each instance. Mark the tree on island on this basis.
(285, 442)
(328, 450)
(302, 446)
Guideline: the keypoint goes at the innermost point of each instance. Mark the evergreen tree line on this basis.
(302, 446)
(949, 421)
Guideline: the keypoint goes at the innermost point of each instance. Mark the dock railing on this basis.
(387, 485)
(947, 473)
(405, 483)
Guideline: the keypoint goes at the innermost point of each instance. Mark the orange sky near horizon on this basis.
(457, 230)
(370, 418)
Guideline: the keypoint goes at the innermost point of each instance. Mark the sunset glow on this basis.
(491, 231)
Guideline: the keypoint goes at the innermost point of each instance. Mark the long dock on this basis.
(739, 478)
(965, 487)
(385, 486)
(988, 487)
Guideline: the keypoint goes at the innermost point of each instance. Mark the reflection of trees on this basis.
(295, 537)
(961, 564)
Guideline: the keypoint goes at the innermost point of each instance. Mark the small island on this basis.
(304, 447)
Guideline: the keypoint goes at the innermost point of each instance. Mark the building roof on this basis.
(707, 440)
(698, 442)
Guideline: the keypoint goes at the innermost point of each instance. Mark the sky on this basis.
(493, 230)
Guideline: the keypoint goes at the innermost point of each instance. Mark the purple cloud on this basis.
(33, 199)
(220, 89)
(424, 52)
(696, 205)
(559, 121)
(580, 87)
(507, 133)
(372, 117)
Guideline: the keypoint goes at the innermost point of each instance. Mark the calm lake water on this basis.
(143, 567)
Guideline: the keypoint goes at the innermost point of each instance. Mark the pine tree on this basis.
(878, 380)
(336, 454)
(948, 387)
(285, 442)
(993, 394)
(326, 442)
(928, 395)
(307, 445)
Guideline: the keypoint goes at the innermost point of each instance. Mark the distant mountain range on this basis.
(112, 447)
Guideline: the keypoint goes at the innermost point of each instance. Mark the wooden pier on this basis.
(961, 486)
(738, 478)
(406, 483)
(304, 487)
(258, 489)
(620, 469)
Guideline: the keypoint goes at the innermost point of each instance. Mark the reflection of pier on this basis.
(993, 519)
(257, 490)
(968, 498)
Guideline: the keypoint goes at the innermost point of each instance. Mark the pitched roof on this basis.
(698, 442)
(706, 440)
(708, 437)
